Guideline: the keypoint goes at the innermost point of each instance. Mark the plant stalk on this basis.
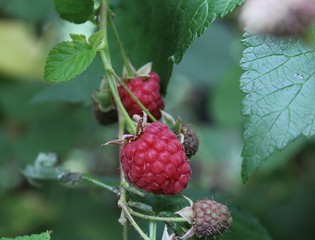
(152, 229)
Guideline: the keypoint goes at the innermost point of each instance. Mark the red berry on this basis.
(147, 91)
(156, 161)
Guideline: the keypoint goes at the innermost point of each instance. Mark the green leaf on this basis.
(74, 10)
(168, 29)
(44, 168)
(42, 236)
(68, 59)
(77, 90)
(96, 39)
(279, 84)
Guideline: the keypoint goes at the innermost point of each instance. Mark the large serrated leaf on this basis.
(42, 236)
(160, 31)
(77, 11)
(68, 59)
(279, 83)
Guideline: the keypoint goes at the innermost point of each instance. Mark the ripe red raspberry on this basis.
(156, 161)
(147, 90)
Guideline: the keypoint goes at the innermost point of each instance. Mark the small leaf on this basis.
(68, 59)
(42, 236)
(74, 10)
(96, 39)
(78, 37)
(279, 83)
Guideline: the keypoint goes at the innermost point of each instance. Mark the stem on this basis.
(123, 119)
(125, 232)
(103, 26)
(134, 97)
(133, 222)
(132, 189)
(152, 227)
(113, 87)
(121, 47)
(91, 180)
(155, 218)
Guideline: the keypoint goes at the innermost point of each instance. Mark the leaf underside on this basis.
(279, 83)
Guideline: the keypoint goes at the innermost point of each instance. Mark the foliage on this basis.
(42, 236)
(56, 116)
(278, 83)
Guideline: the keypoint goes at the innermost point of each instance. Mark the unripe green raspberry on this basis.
(210, 218)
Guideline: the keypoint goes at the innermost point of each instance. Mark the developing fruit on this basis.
(207, 217)
(210, 218)
(191, 141)
(155, 161)
(104, 118)
(147, 90)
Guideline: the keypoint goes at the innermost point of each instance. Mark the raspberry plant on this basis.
(155, 150)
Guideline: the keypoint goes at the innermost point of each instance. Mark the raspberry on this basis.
(210, 218)
(156, 161)
(147, 90)
(191, 141)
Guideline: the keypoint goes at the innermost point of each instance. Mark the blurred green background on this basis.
(204, 90)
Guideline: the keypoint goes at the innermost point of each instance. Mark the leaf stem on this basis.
(155, 218)
(94, 181)
(131, 189)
